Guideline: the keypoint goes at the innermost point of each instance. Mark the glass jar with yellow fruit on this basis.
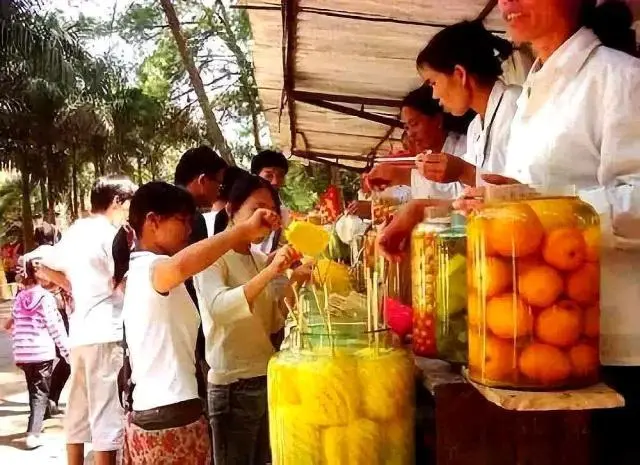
(341, 397)
(451, 302)
(534, 283)
(424, 276)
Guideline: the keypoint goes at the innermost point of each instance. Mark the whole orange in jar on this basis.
(534, 287)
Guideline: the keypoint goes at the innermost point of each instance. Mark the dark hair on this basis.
(107, 188)
(29, 274)
(46, 234)
(156, 197)
(198, 161)
(269, 159)
(421, 99)
(612, 22)
(241, 190)
(231, 175)
(470, 45)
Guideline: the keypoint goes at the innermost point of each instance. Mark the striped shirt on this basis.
(37, 327)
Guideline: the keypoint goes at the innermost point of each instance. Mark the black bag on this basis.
(125, 385)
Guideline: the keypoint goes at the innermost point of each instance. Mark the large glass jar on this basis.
(424, 275)
(342, 398)
(451, 304)
(534, 284)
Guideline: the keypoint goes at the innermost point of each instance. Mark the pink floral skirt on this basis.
(186, 445)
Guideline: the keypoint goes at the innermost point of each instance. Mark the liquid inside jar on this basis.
(342, 406)
(533, 297)
(451, 320)
(424, 275)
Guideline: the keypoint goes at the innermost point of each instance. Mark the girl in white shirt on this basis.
(166, 421)
(241, 308)
(463, 65)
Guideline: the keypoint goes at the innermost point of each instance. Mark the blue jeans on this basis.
(238, 417)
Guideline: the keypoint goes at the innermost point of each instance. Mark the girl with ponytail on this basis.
(463, 65)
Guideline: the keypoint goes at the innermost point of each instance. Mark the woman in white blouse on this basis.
(241, 308)
(427, 128)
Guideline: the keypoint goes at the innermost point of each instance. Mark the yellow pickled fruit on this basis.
(545, 364)
(283, 382)
(540, 286)
(514, 230)
(585, 360)
(293, 439)
(509, 317)
(335, 275)
(491, 358)
(398, 441)
(329, 390)
(307, 238)
(554, 213)
(491, 276)
(384, 397)
(476, 237)
(356, 444)
(593, 238)
(560, 325)
(565, 249)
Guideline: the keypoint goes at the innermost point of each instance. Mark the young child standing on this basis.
(37, 330)
(167, 422)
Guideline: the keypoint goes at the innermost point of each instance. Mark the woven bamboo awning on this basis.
(331, 73)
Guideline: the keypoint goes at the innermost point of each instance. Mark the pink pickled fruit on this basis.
(399, 317)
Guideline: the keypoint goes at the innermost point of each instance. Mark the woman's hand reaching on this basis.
(283, 259)
(261, 223)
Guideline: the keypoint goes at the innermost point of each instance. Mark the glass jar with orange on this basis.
(533, 289)
(424, 276)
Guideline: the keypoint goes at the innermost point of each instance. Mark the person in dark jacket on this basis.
(200, 171)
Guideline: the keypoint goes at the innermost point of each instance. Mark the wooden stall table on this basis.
(477, 425)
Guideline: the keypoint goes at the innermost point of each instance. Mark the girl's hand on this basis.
(302, 274)
(261, 223)
(285, 256)
(440, 167)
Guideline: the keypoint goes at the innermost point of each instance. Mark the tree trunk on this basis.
(27, 214)
(214, 133)
(139, 170)
(44, 201)
(51, 192)
(82, 206)
(74, 187)
(247, 75)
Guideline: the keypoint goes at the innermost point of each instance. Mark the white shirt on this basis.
(487, 137)
(161, 333)
(237, 336)
(210, 221)
(578, 123)
(84, 255)
(422, 188)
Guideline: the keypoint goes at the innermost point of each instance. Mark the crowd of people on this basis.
(197, 299)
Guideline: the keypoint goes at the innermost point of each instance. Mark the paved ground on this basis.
(14, 412)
